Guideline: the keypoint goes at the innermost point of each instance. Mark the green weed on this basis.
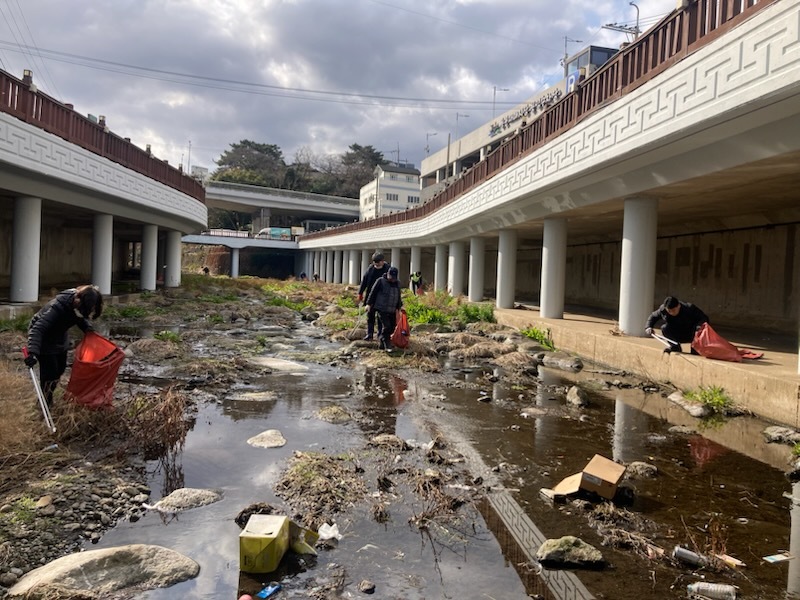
(168, 336)
(713, 397)
(542, 336)
(16, 324)
(280, 301)
(473, 313)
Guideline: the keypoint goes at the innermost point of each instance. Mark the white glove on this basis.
(649, 331)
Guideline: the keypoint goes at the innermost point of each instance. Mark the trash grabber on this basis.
(48, 419)
(664, 340)
(359, 316)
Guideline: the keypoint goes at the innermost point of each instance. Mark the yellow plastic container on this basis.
(262, 543)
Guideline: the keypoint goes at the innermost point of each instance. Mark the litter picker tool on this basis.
(48, 419)
(664, 340)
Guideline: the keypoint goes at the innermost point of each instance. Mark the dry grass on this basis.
(319, 486)
(516, 361)
(153, 350)
(466, 339)
(482, 350)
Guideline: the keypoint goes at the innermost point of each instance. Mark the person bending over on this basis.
(48, 332)
(681, 321)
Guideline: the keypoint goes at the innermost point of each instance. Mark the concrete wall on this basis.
(737, 277)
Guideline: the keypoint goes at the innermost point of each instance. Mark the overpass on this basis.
(271, 206)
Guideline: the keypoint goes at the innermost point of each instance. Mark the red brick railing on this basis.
(677, 36)
(34, 107)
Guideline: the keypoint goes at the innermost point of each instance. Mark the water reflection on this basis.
(793, 578)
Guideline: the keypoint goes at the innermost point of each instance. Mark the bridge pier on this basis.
(638, 268)
(440, 268)
(147, 275)
(26, 248)
(477, 266)
(102, 252)
(455, 269)
(554, 266)
(506, 268)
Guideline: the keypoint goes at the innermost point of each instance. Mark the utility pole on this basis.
(634, 31)
(496, 89)
(566, 53)
(427, 146)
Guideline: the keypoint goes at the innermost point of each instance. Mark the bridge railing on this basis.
(675, 37)
(21, 99)
(305, 196)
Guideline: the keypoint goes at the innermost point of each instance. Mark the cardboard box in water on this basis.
(262, 543)
(600, 476)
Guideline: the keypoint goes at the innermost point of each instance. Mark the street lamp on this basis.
(462, 116)
(633, 4)
(458, 155)
(427, 146)
(496, 89)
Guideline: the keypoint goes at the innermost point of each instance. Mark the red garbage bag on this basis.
(94, 371)
(400, 336)
(710, 344)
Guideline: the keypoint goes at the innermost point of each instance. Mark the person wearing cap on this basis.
(376, 270)
(681, 321)
(385, 299)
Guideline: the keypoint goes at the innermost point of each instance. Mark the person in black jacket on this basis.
(376, 270)
(385, 299)
(48, 335)
(681, 321)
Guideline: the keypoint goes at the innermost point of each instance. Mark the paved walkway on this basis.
(769, 387)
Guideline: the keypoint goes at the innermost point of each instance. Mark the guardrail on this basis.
(295, 195)
(24, 101)
(675, 37)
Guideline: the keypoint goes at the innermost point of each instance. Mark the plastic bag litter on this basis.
(329, 532)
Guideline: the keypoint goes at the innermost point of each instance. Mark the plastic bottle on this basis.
(715, 591)
(689, 557)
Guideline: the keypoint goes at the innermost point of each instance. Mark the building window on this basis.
(411, 178)
(392, 175)
(392, 197)
(413, 199)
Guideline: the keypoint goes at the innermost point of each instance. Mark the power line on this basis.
(46, 73)
(257, 88)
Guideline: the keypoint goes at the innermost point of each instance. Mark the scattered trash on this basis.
(50, 448)
(713, 591)
(687, 556)
(272, 588)
(266, 538)
(779, 557)
(329, 532)
(600, 476)
(730, 561)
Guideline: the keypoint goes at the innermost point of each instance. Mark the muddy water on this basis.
(723, 476)
(403, 563)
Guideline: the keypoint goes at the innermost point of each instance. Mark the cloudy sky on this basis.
(191, 77)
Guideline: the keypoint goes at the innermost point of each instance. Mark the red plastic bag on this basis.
(94, 371)
(401, 333)
(710, 344)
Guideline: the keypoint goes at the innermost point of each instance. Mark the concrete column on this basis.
(353, 278)
(345, 265)
(477, 266)
(147, 274)
(793, 578)
(234, 263)
(455, 269)
(506, 268)
(172, 275)
(323, 265)
(102, 252)
(337, 266)
(26, 239)
(440, 268)
(329, 272)
(366, 259)
(316, 267)
(416, 259)
(554, 267)
(638, 270)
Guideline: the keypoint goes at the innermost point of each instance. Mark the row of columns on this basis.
(637, 269)
(26, 252)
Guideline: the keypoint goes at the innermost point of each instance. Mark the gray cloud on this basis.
(452, 50)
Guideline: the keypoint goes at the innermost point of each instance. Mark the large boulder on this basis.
(98, 573)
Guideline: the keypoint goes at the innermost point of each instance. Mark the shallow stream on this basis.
(723, 478)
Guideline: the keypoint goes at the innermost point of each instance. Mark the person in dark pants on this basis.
(681, 321)
(376, 270)
(48, 335)
(417, 284)
(385, 299)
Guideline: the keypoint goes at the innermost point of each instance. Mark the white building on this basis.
(395, 188)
